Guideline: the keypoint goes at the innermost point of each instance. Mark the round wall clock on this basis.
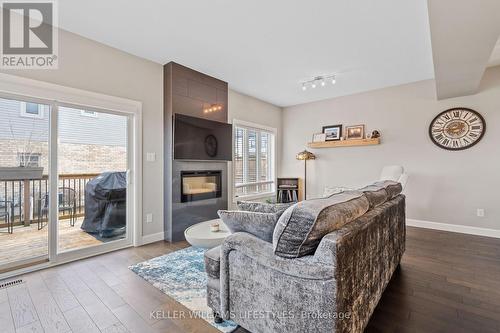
(457, 129)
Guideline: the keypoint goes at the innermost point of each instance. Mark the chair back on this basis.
(67, 196)
(392, 172)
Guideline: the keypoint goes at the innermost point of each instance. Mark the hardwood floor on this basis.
(447, 283)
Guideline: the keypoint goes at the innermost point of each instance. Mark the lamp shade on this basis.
(305, 155)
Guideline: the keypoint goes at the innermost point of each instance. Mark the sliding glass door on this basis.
(92, 167)
(64, 181)
(24, 181)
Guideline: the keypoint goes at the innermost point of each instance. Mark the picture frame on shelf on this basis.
(356, 132)
(332, 132)
(319, 137)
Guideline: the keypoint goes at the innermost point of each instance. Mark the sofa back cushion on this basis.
(302, 226)
(261, 207)
(258, 224)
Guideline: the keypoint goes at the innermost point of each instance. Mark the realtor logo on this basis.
(29, 39)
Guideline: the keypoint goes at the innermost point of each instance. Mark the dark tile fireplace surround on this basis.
(197, 188)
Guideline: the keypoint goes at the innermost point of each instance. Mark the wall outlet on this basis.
(480, 212)
(149, 218)
(151, 157)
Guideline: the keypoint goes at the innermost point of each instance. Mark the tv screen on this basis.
(201, 139)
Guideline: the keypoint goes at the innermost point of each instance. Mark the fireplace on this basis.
(201, 185)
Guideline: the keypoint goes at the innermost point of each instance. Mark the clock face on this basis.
(457, 129)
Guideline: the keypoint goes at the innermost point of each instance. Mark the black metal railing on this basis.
(27, 197)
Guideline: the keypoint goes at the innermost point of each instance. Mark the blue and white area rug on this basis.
(181, 275)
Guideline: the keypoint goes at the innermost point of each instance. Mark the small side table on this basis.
(199, 235)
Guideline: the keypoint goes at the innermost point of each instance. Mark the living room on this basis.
(195, 166)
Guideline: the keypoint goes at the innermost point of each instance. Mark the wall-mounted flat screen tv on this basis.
(201, 139)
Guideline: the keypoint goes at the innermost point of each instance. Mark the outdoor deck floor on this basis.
(29, 242)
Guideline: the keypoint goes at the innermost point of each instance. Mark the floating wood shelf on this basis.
(344, 143)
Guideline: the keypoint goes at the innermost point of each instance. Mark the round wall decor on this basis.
(457, 129)
(211, 145)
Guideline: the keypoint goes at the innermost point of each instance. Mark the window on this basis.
(29, 160)
(32, 110)
(91, 114)
(254, 160)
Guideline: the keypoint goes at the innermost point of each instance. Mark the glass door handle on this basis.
(129, 177)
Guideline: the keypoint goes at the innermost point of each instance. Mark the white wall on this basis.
(91, 66)
(444, 186)
(250, 109)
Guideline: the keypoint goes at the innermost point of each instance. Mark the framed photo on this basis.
(319, 137)
(355, 132)
(333, 132)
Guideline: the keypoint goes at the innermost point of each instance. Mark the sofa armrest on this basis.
(262, 252)
(259, 252)
(366, 252)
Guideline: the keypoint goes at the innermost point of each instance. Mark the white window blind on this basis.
(253, 162)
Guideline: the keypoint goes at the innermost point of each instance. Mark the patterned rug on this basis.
(181, 275)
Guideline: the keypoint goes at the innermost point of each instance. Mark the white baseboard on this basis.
(463, 229)
(152, 238)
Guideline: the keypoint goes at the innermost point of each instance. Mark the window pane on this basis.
(253, 161)
(238, 156)
(264, 157)
(32, 108)
(252, 157)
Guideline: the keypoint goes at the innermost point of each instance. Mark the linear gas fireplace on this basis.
(201, 185)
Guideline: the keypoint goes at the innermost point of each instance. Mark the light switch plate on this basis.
(149, 218)
(151, 157)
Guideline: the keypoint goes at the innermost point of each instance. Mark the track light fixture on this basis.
(321, 80)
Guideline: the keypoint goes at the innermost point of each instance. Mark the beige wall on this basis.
(444, 186)
(250, 109)
(91, 66)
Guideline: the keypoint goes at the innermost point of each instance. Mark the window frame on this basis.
(260, 128)
(25, 114)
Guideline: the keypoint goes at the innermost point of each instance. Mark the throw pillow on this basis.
(302, 226)
(376, 195)
(258, 224)
(393, 188)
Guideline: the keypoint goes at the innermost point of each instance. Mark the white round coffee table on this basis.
(199, 235)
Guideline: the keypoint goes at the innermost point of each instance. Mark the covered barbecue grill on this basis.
(105, 205)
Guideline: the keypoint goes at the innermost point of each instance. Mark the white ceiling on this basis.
(266, 48)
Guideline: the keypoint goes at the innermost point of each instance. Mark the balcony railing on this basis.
(27, 196)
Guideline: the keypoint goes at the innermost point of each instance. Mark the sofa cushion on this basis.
(258, 224)
(393, 188)
(302, 226)
(212, 262)
(261, 207)
(376, 195)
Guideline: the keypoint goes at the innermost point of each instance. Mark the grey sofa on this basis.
(335, 289)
